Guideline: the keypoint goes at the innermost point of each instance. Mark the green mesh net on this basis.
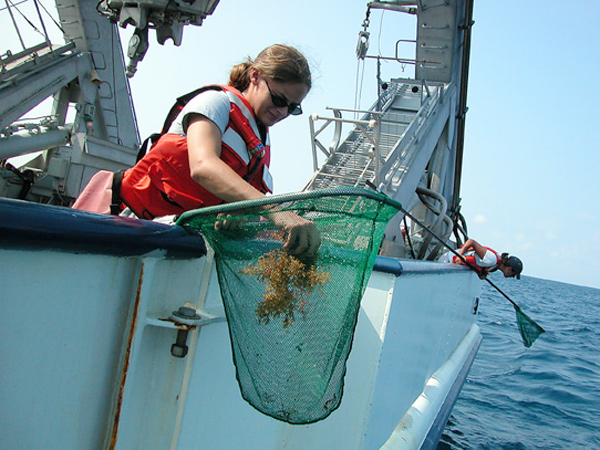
(292, 322)
(529, 330)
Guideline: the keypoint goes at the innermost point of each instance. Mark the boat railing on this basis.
(34, 226)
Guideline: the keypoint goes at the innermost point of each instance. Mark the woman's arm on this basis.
(208, 169)
(473, 244)
(212, 173)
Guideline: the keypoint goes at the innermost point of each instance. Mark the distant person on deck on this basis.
(485, 260)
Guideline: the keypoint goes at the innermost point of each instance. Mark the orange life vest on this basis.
(160, 183)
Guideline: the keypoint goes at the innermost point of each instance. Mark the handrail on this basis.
(437, 226)
(339, 121)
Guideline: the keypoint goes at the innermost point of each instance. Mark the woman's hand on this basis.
(225, 222)
(303, 238)
(212, 173)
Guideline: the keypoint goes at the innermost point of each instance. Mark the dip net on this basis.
(528, 328)
(291, 322)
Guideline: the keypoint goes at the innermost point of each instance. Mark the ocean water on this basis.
(545, 397)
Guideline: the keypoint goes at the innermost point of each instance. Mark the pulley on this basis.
(362, 45)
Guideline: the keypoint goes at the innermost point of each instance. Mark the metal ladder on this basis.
(362, 156)
(389, 149)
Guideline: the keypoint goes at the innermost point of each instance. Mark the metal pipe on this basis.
(440, 216)
(15, 24)
(400, 6)
(37, 7)
(338, 119)
(337, 132)
(363, 111)
(26, 142)
(311, 124)
(403, 60)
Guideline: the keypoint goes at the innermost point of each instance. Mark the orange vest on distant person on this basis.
(160, 183)
(471, 260)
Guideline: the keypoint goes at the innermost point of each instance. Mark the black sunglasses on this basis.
(293, 108)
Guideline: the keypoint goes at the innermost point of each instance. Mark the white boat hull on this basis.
(86, 360)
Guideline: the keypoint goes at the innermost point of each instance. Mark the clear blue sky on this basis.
(532, 152)
(531, 169)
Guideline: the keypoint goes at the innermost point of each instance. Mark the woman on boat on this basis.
(216, 150)
(485, 260)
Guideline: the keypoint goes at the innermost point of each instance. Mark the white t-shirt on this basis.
(488, 260)
(214, 105)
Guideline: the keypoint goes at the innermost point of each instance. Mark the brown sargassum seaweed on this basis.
(289, 282)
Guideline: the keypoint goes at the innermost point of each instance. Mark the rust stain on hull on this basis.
(117, 417)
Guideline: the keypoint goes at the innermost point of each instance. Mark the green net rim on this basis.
(281, 198)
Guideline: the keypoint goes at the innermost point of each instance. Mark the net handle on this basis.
(517, 307)
(473, 268)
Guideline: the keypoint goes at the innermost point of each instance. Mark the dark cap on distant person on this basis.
(516, 265)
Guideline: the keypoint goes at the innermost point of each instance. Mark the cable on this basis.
(379, 35)
(51, 17)
(23, 16)
(358, 86)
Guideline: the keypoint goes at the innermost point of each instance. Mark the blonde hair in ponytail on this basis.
(278, 62)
